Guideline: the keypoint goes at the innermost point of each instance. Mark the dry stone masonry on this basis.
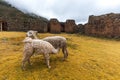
(107, 25)
(70, 26)
(54, 26)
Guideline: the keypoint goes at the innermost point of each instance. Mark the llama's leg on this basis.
(23, 65)
(29, 58)
(25, 58)
(23, 62)
(47, 59)
(65, 52)
(29, 62)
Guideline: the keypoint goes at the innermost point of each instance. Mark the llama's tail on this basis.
(55, 50)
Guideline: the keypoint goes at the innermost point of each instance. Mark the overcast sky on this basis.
(67, 9)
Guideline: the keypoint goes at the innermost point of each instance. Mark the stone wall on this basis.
(54, 26)
(80, 29)
(70, 26)
(107, 25)
(21, 24)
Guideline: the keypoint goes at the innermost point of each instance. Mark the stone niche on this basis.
(54, 26)
(70, 26)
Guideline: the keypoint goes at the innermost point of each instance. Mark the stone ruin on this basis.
(54, 26)
(12, 19)
(70, 26)
(20, 24)
(105, 25)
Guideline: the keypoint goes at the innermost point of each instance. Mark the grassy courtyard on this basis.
(89, 59)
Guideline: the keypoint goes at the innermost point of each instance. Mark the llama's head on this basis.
(32, 34)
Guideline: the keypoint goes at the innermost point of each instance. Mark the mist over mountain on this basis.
(67, 9)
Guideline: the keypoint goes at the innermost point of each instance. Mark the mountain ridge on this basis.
(9, 10)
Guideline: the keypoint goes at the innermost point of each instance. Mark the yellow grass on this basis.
(89, 59)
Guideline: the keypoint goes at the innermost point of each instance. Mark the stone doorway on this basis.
(3, 26)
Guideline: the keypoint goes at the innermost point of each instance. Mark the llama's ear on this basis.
(36, 32)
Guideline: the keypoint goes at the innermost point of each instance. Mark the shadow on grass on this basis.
(38, 63)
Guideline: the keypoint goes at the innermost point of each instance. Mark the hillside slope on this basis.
(9, 16)
(8, 10)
